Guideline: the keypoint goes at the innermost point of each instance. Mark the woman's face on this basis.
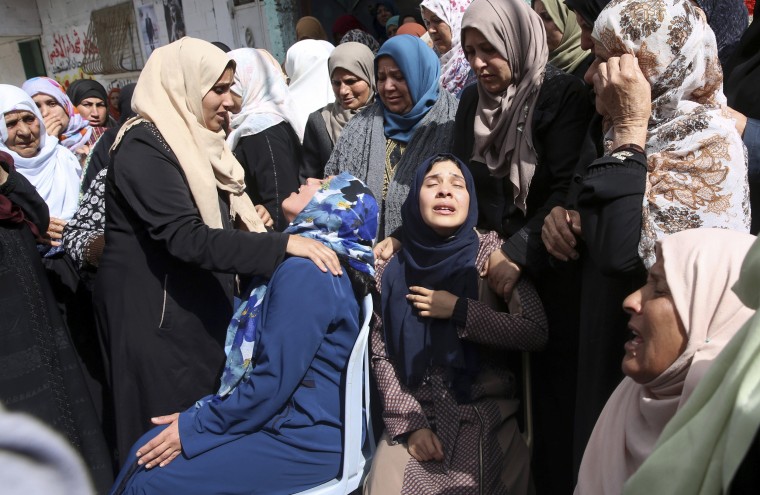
(23, 133)
(50, 108)
(392, 87)
(553, 32)
(217, 102)
(113, 100)
(351, 91)
(493, 71)
(444, 199)
(297, 201)
(94, 110)
(587, 42)
(391, 30)
(659, 336)
(382, 14)
(439, 31)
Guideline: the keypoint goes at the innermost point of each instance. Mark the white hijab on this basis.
(54, 171)
(310, 88)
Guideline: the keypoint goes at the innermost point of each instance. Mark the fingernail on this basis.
(139, 454)
(139, 463)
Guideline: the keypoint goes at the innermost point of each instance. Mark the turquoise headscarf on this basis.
(422, 70)
(343, 215)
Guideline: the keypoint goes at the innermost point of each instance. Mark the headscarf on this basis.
(588, 9)
(504, 123)
(701, 448)
(569, 54)
(114, 111)
(728, 20)
(701, 266)
(82, 89)
(360, 36)
(169, 93)
(743, 74)
(344, 24)
(357, 59)
(342, 215)
(310, 88)
(415, 343)
(309, 28)
(697, 171)
(421, 69)
(392, 21)
(275, 63)
(78, 132)
(411, 28)
(54, 171)
(454, 66)
(266, 99)
(380, 30)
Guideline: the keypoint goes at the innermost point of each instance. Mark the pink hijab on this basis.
(701, 266)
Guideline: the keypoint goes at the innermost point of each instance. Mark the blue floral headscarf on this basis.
(343, 215)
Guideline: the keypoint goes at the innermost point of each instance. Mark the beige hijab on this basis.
(701, 266)
(168, 94)
(503, 123)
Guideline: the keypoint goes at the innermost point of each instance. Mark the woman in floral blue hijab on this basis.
(275, 426)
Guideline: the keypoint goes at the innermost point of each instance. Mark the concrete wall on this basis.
(19, 18)
(11, 68)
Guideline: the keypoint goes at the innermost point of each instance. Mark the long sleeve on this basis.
(610, 205)
(23, 194)
(88, 224)
(155, 190)
(288, 343)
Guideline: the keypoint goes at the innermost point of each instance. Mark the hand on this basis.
(384, 249)
(503, 274)
(55, 231)
(432, 303)
(53, 125)
(740, 118)
(424, 445)
(322, 256)
(559, 233)
(264, 215)
(626, 96)
(164, 447)
(81, 153)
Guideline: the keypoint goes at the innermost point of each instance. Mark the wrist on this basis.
(635, 135)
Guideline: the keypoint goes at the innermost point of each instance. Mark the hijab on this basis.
(569, 54)
(169, 93)
(701, 266)
(702, 447)
(504, 123)
(588, 9)
(310, 88)
(342, 215)
(415, 343)
(114, 110)
(309, 28)
(421, 69)
(697, 170)
(728, 20)
(392, 21)
(360, 36)
(82, 89)
(78, 132)
(54, 171)
(454, 66)
(357, 59)
(266, 99)
(411, 28)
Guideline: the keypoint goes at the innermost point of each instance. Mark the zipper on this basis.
(480, 452)
(163, 306)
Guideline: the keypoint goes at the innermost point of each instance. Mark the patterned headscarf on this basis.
(697, 172)
(361, 36)
(342, 215)
(454, 66)
(78, 132)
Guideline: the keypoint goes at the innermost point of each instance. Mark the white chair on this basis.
(357, 455)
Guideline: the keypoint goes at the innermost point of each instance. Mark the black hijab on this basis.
(429, 260)
(742, 74)
(86, 88)
(588, 9)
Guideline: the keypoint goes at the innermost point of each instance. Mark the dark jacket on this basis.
(317, 147)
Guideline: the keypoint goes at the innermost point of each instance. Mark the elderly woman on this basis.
(306, 66)
(413, 119)
(448, 397)
(443, 19)
(262, 133)
(563, 37)
(680, 320)
(352, 74)
(90, 98)
(175, 196)
(275, 427)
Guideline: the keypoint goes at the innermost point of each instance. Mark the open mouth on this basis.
(444, 209)
(634, 342)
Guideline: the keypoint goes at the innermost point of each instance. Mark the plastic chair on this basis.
(357, 454)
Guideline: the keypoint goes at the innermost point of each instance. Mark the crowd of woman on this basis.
(547, 203)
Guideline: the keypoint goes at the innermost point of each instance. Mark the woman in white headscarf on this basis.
(263, 132)
(179, 228)
(352, 77)
(306, 66)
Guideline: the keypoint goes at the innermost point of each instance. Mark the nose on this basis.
(227, 101)
(344, 89)
(587, 43)
(476, 63)
(632, 303)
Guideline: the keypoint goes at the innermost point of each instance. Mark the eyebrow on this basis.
(439, 175)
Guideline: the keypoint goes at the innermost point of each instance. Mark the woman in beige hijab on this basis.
(180, 227)
(680, 320)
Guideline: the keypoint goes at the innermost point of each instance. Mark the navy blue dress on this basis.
(279, 432)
